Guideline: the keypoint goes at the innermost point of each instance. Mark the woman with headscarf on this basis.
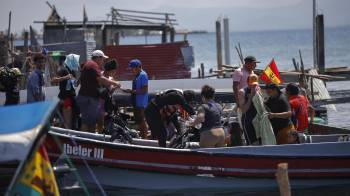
(66, 78)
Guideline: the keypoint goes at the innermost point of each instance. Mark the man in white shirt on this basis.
(240, 75)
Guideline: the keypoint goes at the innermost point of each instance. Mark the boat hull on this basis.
(316, 164)
(114, 178)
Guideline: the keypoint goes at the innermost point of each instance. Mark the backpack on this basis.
(8, 79)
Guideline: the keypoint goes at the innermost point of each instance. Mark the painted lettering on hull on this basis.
(96, 153)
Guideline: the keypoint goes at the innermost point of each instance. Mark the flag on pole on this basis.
(37, 177)
(271, 74)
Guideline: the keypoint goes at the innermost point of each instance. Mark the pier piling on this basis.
(218, 43)
(227, 41)
(320, 44)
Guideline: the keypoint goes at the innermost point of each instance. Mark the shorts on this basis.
(67, 103)
(212, 138)
(139, 115)
(89, 109)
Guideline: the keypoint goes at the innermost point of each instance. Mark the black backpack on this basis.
(8, 79)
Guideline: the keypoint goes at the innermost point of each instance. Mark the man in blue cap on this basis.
(139, 95)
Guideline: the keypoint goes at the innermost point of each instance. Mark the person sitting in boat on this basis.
(245, 103)
(163, 108)
(88, 96)
(293, 137)
(300, 108)
(209, 114)
(139, 95)
(66, 75)
(106, 105)
(279, 113)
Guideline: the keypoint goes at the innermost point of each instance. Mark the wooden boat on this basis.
(323, 161)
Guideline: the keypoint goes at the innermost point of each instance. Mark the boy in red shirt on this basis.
(300, 107)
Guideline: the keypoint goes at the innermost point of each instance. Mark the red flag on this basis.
(271, 74)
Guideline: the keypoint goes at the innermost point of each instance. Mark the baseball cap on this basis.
(253, 79)
(251, 59)
(98, 53)
(272, 86)
(292, 89)
(135, 63)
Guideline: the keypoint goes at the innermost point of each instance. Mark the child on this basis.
(293, 137)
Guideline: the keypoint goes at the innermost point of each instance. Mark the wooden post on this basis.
(218, 44)
(314, 13)
(26, 40)
(185, 36)
(172, 35)
(164, 35)
(312, 90)
(283, 179)
(117, 38)
(104, 37)
(202, 70)
(9, 25)
(320, 44)
(227, 41)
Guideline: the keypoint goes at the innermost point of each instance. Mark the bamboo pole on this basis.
(283, 179)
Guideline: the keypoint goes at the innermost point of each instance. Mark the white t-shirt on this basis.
(240, 75)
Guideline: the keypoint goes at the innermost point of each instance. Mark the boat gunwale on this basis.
(135, 147)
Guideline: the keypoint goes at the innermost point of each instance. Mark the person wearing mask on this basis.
(35, 81)
(66, 75)
(300, 108)
(139, 95)
(88, 97)
(209, 114)
(164, 108)
(279, 113)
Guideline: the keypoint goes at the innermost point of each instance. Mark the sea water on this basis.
(282, 45)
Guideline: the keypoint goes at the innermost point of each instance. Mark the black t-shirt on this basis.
(173, 98)
(277, 105)
(64, 93)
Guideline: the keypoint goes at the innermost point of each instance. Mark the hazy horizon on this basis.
(244, 15)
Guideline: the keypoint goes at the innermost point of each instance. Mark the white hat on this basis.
(98, 53)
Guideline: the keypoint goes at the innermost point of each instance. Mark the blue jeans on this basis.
(89, 108)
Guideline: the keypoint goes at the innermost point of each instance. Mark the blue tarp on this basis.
(24, 117)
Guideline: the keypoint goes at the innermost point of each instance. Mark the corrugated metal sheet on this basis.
(160, 61)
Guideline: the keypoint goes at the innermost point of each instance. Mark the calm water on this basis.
(281, 45)
(265, 45)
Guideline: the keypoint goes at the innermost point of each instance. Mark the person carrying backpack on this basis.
(9, 79)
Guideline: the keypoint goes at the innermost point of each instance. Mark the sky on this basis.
(244, 15)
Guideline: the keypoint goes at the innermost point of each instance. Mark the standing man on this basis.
(240, 75)
(88, 96)
(35, 82)
(279, 113)
(139, 95)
